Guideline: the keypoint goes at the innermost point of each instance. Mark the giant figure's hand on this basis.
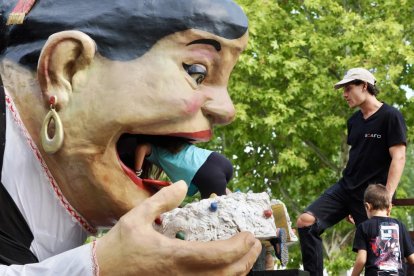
(133, 247)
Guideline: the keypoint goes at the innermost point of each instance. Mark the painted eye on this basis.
(197, 71)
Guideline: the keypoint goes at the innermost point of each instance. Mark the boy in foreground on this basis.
(382, 242)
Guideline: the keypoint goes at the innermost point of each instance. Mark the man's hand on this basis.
(133, 247)
(350, 219)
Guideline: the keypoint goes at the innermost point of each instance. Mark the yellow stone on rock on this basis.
(213, 195)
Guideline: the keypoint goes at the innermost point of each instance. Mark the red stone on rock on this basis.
(267, 213)
(158, 221)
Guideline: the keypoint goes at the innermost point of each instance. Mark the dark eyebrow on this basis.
(211, 42)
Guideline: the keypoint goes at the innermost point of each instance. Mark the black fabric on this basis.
(387, 242)
(213, 175)
(2, 125)
(15, 234)
(331, 207)
(370, 140)
(335, 204)
(128, 29)
(311, 246)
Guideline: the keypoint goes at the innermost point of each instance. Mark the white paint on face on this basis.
(156, 94)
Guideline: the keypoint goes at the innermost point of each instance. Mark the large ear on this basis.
(64, 54)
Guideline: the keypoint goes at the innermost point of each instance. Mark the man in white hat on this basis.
(377, 140)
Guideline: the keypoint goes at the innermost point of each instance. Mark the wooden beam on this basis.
(403, 201)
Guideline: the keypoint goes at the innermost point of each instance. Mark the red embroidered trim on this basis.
(19, 12)
(49, 176)
(95, 265)
(23, 6)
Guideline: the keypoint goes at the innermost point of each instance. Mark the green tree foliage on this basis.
(289, 137)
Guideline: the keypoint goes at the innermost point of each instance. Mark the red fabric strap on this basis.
(20, 10)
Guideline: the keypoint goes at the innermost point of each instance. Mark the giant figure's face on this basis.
(178, 88)
(149, 70)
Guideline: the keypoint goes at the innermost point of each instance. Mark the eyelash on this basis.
(197, 71)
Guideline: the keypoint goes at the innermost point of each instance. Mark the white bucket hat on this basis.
(356, 74)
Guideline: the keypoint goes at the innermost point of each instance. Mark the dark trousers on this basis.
(331, 207)
(213, 175)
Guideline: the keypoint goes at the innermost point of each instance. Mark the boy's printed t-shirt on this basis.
(387, 243)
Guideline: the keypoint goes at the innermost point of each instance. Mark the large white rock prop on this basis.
(220, 218)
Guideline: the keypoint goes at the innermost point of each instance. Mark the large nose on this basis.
(218, 108)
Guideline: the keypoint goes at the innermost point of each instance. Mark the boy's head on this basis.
(377, 198)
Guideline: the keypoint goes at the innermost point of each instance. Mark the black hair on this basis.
(372, 89)
(122, 29)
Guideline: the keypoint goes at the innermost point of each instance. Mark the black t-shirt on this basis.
(370, 140)
(387, 243)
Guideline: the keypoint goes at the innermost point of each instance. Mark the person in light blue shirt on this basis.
(203, 170)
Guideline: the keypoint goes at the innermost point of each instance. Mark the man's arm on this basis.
(396, 169)
(359, 262)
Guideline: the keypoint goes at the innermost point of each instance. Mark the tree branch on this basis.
(320, 154)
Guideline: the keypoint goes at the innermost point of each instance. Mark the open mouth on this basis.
(126, 146)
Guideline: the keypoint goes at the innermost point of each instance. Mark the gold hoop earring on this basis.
(52, 144)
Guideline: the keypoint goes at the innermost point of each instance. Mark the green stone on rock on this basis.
(180, 235)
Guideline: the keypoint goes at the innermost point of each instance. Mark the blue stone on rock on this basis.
(213, 206)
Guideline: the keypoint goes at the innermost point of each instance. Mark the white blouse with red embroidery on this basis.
(56, 226)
